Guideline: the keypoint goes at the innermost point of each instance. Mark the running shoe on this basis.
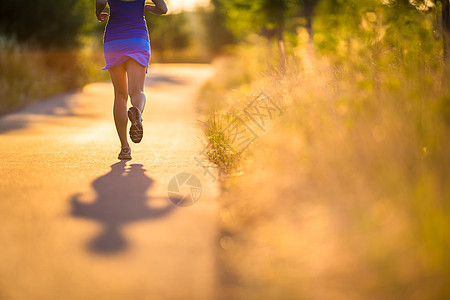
(136, 129)
(125, 153)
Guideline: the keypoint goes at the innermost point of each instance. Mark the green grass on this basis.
(219, 148)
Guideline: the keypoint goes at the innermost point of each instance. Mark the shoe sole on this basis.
(136, 130)
(124, 157)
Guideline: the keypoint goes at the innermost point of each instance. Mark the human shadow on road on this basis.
(120, 199)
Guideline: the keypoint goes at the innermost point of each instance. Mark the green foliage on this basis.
(44, 23)
(262, 16)
(374, 39)
(217, 34)
(169, 32)
(46, 47)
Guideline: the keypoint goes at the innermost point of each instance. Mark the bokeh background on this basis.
(345, 195)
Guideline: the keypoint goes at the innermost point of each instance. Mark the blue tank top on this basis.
(126, 20)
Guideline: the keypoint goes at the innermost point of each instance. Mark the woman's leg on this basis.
(136, 81)
(119, 80)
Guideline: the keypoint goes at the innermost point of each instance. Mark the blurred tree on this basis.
(426, 5)
(169, 32)
(217, 33)
(446, 28)
(264, 16)
(308, 7)
(44, 23)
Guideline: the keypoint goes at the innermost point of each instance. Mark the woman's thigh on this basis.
(136, 76)
(119, 80)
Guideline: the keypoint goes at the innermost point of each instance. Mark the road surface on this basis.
(75, 223)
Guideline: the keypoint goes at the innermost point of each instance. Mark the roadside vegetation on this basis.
(49, 47)
(46, 48)
(344, 194)
(29, 73)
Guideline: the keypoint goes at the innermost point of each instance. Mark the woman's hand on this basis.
(160, 7)
(99, 7)
(103, 17)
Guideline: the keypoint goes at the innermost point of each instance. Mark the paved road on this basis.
(75, 223)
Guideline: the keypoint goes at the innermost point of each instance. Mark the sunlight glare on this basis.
(177, 5)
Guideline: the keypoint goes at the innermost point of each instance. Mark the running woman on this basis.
(126, 46)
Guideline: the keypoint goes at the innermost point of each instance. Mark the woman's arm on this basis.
(99, 7)
(160, 7)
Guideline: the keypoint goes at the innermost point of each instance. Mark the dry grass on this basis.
(347, 196)
(28, 74)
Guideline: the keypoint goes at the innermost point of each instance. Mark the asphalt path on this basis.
(76, 223)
